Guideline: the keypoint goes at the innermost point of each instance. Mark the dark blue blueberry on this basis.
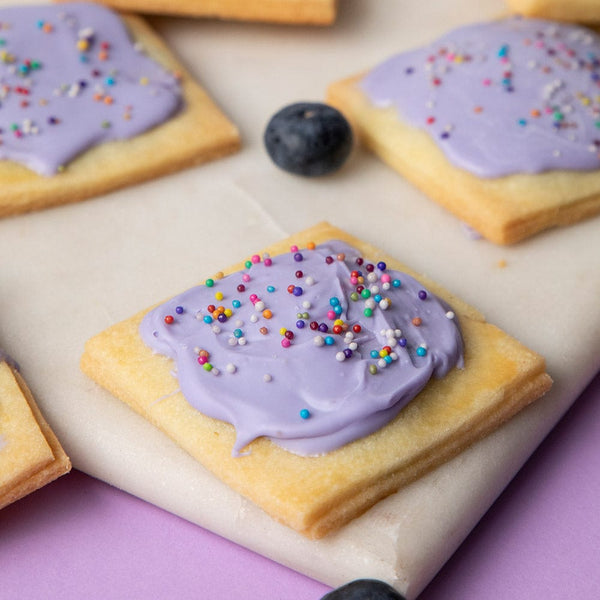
(364, 589)
(308, 139)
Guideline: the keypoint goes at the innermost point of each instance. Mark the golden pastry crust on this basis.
(30, 454)
(317, 495)
(198, 133)
(294, 12)
(504, 210)
(582, 11)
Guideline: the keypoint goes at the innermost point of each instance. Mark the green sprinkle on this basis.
(209, 282)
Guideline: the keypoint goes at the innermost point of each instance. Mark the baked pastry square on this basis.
(293, 12)
(495, 121)
(196, 132)
(30, 454)
(577, 11)
(318, 492)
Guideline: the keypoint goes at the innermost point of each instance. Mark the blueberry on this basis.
(364, 589)
(308, 139)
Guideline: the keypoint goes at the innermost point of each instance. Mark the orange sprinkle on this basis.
(478, 109)
(417, 321)
(311, 246)
(108, 100)
(97, 97)
(535, 112)
(102, 55)
(47, 27)
(267, 314)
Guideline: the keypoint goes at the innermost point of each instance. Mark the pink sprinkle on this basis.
(253, 298)
(385, 278)
(255, 258)
(487, 82)
(268, 262)
(202, 360)
(245, 277)
(293, 248)
(285, 342)
(331, 315)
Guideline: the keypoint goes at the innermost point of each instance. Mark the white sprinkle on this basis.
(215, 371)
(381, 363)
(216, 329)
(384, 304)
(232, 341)
(353, 346)
(318, 340)
(239, 323)
(370, 303)
(242, 341)
(231, 368)
(85, 33)
(259, 306)
(267, 378)
(306, 304)
(309, 280)
(253, 318)
(450, 315)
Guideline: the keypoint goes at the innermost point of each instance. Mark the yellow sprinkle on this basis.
(144, 81)
(282, 331)
(218, 295)
(82, 45)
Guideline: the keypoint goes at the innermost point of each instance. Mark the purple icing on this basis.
(510, 96)
(305, 395)
(71, 78)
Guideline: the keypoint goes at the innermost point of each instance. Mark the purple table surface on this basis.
(80, 538)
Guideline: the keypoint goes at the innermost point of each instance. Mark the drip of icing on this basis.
(273, 365)
(71, 78)
(511, 96)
